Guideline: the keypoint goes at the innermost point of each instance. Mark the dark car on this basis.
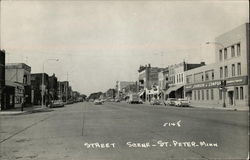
(57, 103)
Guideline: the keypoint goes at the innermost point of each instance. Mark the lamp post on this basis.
(43, 86)
(223, 83)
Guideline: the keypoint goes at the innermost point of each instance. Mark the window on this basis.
(238, 49)
(238, 69)
(202, 94)
(233, 70)
(241, 93)
(220, 94)
(198, 94)
(236, 93)
(194, 94)
(212, 94)
(232, 51)
(220, 55)
(221, 72)
(226, 72)
(202, 78)
(207, 94)
(212, 75)
(206, 76)
(225, 53)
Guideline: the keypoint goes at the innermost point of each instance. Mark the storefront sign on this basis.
(217, 83)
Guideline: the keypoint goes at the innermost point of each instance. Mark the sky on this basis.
(101, 42)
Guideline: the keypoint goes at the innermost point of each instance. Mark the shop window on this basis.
(202, 94)
(207, 94)
(232, 51)
(220, 55)
(226, 71)
(220, 94)
(212, 94)
(238, 49)
(236, 93)
(241, 93)
(238, 69)
(233, 70)
(225, 53)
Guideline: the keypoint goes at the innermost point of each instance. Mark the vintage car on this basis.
(182, 103)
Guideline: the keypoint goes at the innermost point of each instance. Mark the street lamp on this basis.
(43, 86)
(223, 84)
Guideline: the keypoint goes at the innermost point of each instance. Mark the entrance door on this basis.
(231, 97)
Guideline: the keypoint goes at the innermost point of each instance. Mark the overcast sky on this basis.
(101, 42)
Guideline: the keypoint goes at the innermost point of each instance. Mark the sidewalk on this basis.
(230, 108)
(26, 110)
(219, 107)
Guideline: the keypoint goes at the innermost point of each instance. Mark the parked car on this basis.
(140, 101)
(57, 103)
(171, 101)
(117, 100)
(97, 102)
(155, 102)
(133, 98)
(182, 103)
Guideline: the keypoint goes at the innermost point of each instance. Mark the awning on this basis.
(174, 88)
(141, 93)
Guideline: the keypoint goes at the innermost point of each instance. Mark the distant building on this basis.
(63, 90)
(232, 65)
(53, 86)
(163, 83)
(36, 85)
(177, 78)
(111, 93)
(148, 82)
(120, 86)
(18, 75)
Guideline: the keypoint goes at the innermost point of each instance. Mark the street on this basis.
(125, 131)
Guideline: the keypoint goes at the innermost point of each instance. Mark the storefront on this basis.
(175, 91)
(211, 93)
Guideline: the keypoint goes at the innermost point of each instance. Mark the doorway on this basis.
(231, 97)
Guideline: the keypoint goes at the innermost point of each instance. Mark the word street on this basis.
(99, 145)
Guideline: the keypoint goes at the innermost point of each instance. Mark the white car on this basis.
(98, 102)
(182, 102)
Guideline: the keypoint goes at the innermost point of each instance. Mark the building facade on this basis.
(36, 87)
(177, 79)
(148, 82)
(53, 87)
(63, 90)
(120, 88)
(204, 84)
(163, 77)
(18, 75)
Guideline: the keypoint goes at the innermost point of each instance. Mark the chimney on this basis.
(149, 65)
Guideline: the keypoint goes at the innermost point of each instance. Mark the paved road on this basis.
(122, 131)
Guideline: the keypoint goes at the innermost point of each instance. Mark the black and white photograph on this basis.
(124, 79)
